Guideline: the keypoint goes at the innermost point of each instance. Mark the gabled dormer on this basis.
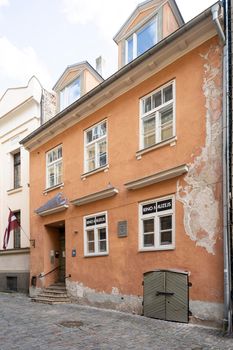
(150, 22)
(75, 82)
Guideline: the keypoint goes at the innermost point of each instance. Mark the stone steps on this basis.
(54, 294)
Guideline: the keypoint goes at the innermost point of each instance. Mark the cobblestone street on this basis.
(26, 325)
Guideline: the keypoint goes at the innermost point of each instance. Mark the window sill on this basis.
(15, 190)
(104, 168)
(153, 249)
(171, 142)
(95, 255)
(61, 185)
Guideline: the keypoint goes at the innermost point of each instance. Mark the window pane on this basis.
(156, 99)
(91, 247)
(148, 240)
(58, 169)
(59, 152)
(90, 235)
(166, 222)
(149, 132)
(148, 225)
(91, 158)
(166, 230)
(89, 136)
(102, 246)
(146, 38)
(74, 91)
(17, 231)
(103, 129)
(102, 153)
(166, 124)
(130, 49)
(102, 233)
(147, 105)
(167, 93)
(51, 176)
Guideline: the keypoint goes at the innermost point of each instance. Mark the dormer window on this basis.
(70, 93)
(141, 40)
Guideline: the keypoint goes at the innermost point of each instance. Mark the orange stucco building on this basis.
(127, 179)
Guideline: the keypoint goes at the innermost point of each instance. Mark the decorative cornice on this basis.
(93, 197)
(157, 177)
(53, 210)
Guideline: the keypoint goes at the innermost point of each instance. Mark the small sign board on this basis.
(73, 252)
(122, 229)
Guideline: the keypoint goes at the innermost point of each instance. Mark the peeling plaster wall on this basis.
(84, 295)
(200, 192)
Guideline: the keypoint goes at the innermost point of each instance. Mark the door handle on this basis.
(164, 293)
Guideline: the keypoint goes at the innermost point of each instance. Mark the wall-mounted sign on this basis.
(122, 229)
(96, 220)
(156, 206)
(73, 252)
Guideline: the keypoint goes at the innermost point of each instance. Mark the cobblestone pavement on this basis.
(26, 325)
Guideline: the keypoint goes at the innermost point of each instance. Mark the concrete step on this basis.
(54, 294)
(50, 301)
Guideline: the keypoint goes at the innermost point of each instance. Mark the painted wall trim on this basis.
(157, 177)
(93, 197)
(53, 210)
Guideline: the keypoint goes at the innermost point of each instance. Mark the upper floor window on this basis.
(96, 146)
(96, 234)
(70, 93)
(54, 166)
(157, 116)
(156, 226)
(17, 166)
(17, 235)
(141, 41)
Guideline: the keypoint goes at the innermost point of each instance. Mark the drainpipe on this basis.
(215, 16)
(227, 250)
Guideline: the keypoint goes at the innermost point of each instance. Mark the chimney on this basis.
(100, 64)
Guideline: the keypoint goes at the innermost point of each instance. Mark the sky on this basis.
(43, 37)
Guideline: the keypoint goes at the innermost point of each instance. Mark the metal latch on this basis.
(164, 293)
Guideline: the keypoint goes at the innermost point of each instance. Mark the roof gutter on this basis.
(215, 15)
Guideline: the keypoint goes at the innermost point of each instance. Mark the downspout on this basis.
(215, 16)
(227, 321)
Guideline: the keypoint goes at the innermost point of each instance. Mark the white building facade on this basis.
(22, 110)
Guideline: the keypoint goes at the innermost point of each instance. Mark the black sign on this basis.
(164, 205)
(149, 208)
(90, 221)
(96, 220)
(73, 253)
(100, 219)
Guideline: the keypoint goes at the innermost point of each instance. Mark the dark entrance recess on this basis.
(166, 295)
(11, 283)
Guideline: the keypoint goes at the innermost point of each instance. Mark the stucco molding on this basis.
(93, 197)
(157, 177)
(53, 210)
(15, 251)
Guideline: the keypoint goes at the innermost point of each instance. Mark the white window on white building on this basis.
(70, 93)
(141, 40)
(54, 167)
(157, 116)
(95, 147)
(96, 234)
(157, 224)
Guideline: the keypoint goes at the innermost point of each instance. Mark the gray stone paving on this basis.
(26, 325)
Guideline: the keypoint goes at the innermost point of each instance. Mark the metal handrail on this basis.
(40, 275)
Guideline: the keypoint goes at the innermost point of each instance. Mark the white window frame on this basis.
(95, 142)
(156, 216)
(95, 228)
(53, 163)
(66, 93)
(156, 112)
(135, 38)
